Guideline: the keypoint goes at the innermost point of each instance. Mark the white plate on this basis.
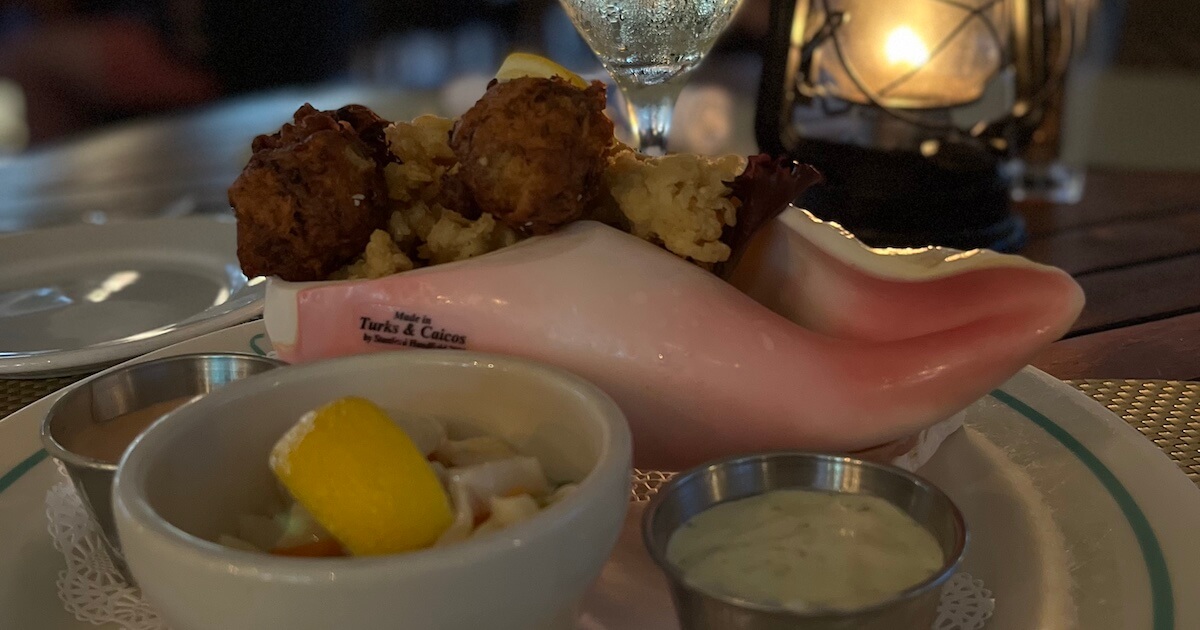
(1077, 521)
(87, 296)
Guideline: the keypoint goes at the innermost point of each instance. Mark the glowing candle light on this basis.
(904, 47)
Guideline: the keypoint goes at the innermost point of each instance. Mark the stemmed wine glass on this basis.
(650, 47)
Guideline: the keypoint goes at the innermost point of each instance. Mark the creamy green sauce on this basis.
(805, 550)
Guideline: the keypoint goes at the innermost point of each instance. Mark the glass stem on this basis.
(650, 108)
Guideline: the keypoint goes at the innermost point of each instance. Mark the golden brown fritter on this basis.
(533, 151)
(311, 195)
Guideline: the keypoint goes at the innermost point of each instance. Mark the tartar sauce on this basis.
(805, 550)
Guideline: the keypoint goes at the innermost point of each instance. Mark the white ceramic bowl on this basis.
(185, 480)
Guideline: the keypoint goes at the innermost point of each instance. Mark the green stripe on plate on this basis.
(1161, 597)
(254, 345)
(13, 475)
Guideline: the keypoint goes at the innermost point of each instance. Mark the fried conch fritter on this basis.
(312, 194)
(533, 151)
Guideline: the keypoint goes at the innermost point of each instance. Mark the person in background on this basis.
(82, 63)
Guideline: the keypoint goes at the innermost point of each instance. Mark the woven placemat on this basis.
(16, 393)
(1166, 412)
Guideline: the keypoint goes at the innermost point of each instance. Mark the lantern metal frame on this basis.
(1044, 36)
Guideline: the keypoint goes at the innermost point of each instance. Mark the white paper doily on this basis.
(93, 591)
(90, 587)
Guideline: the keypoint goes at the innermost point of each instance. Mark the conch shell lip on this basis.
(898, 263)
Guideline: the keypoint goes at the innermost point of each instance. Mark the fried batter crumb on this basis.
(679, 201)
(382, 257)
(453, 238)
(424, 158)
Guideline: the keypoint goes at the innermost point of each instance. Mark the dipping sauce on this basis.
(804, 550)
(107, 441)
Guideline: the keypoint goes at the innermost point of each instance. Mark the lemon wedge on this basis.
(518, 65)
(362, 478)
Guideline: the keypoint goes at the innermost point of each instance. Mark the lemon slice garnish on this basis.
(362, 478)
(518, 65)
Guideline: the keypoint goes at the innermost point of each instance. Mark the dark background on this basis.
(78, 64)
(70, 65)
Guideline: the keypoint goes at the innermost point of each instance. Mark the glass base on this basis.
(1054, 182)
(649, 109)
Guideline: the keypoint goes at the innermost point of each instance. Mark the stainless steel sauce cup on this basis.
(96, 401)
(694, 491)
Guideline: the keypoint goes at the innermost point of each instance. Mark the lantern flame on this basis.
(904, 47)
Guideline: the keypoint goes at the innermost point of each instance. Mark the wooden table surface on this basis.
(1133, 241)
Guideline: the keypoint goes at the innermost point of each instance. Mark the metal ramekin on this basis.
(126, 390)
(696, 490)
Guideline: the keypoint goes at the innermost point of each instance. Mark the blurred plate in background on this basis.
(77, 298)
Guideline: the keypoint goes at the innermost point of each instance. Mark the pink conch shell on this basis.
(845, 347)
